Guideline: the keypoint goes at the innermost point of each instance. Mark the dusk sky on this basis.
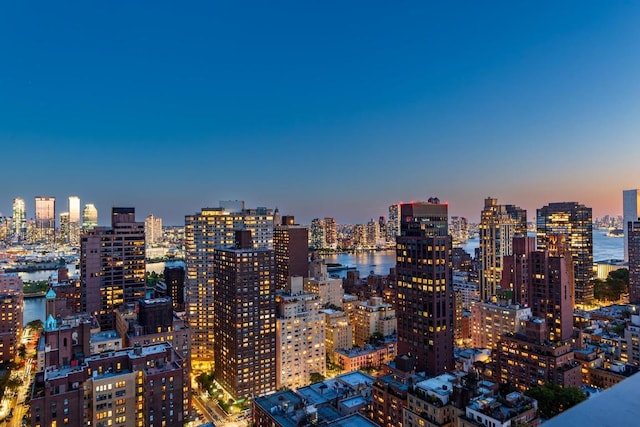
(319, 108)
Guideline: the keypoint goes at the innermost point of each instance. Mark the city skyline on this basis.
(315, 110)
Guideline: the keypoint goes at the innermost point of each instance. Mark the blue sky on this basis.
(320, 108)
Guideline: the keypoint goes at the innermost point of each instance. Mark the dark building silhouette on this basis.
(424, 291)
(112, 266)
(174, 278)
(633, 246)
(291, 247)
(244, 318)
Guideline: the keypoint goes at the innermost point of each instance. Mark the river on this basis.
(365, 262)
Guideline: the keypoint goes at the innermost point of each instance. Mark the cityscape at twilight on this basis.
(311, 214)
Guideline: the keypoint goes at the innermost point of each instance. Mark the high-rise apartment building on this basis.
(19, 218)
(498, 225)
(575, 222)
(63, 228)
(633, 245)
(244, 321)
(74, 220)
(45, 219)
(140, 386)
(373, 233)
(425, 296)
(112, 266)
(489, 321)
(89, 217)
(174, 278)
(459, 229)
(329, 289)
(630, 213)
(11, 311)
(153, 229)
(291, 247)
(317, 235)
(300, 336)
(373, 317)
(204, 231)
(393, 223)
(331, 232)
(543, 280)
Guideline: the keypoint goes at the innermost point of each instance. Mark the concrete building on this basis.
(632, 340)
(300, 336)
(498, 225)
(112, 266)
(89, 217)
(174, 278)
(515, 409)
(329, 289)
(575, 222)
(489, 321)
(459, 229)
(425, 294)
(366, 357)
(204, 231)
(244, 322)
(74, 220)
(131, 387)
(291, 247)
(633, 247)
(152, 230)
(338, 331)
(373, 317)
(19, 219)
(11, 312)
(527, 359)
(630, 213)
(45, 219)
(393, 223)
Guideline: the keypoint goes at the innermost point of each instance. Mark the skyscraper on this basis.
(153, 229)
(89, 217)
(498, 225)
(204, 231)
(112, 266)
(45, 219)
(393, 224)
(74, 220)
(291, 246)
(575, 222)
(244, 321)
(425, 296)
(63, 230)
(630, 213)
(317, 234)
(632, 231)
(20, 218)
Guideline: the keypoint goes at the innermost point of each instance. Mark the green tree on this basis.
(553, 399)
(36, 325)
(316, 377)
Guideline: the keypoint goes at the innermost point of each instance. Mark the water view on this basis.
(365, 262)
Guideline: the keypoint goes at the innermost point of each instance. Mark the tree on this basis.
(553, 399)
(36, 325)
(316, 377)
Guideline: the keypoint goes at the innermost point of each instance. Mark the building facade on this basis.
(45, 217)
(244, 322)
(498, 225)
(575, 222)
(204, 231)
(112, 266)
(425, 295)
(300, 336)
(291, 246)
